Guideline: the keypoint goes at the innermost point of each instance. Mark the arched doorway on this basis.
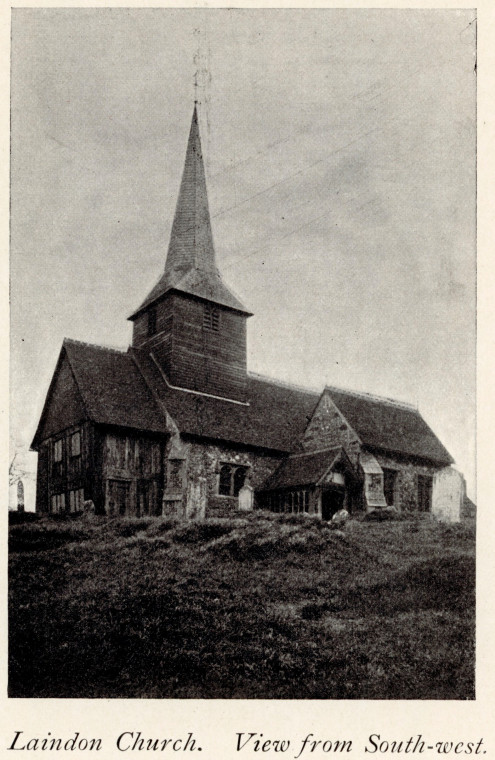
(332, 499)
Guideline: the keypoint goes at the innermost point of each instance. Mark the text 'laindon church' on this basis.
(177, 425)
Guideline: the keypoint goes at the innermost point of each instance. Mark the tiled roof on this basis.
(127, 389)
(115, 392)
(302, 469)
(274, 419)
(112, 388)
(390, 426)
(190, 266)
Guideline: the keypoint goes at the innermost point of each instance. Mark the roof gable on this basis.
(327, 427)
(64, 405)
(110, 388)
(303, 469)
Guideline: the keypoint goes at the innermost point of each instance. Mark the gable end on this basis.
(64, 405)
(328, 427)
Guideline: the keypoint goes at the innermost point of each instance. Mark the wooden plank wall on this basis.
(72, 472)
(192, 356)
(136, 460)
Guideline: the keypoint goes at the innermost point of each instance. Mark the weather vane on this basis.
(202, 77)
(196, 85)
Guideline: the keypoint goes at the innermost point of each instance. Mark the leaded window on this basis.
(58, 503)
(231, 479)
(75, 444)
(76, 500)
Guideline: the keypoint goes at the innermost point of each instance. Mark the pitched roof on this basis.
(388, 425)
(190, 265)
(302, 469)
(275, 417)
(112, 388)
(127, 389)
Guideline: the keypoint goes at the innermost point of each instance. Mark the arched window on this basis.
(231, 479)
(224, 484)
(239, 478)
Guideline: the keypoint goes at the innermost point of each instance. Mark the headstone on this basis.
(246, 498)
(88, 508)
(20, 496)
(340, 517)
(448, 493)
(196, 499)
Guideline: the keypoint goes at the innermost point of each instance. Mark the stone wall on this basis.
(406, 481)
(201, 472)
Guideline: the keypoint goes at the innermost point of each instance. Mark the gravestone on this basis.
(88, 508)
(20, 496)
(246, 498)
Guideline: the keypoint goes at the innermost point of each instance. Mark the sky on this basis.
(340, 158)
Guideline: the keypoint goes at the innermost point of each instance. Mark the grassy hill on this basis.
(268, 606)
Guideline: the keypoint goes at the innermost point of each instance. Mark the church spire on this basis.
(191, 241)
(190, 265)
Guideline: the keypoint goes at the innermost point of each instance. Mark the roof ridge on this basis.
(284, 383)
(95, 345)
(316, 451)
(374, 397)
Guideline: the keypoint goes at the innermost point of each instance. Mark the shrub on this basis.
(18, 518)
(129, 526)
(162, 525)
(382, 514)
(43, 536)
(313, 610)
(203, 532)
(147, 544)
(270, 540)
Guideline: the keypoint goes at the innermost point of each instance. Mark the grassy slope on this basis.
(267, 607)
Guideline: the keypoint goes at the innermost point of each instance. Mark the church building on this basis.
(177, 425)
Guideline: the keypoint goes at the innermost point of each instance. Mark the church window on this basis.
(76, 499)
(231, 479)
(211, 317)
(58, 503)
(57, 450)
(425, 486)
(58, 455)
(151, 322)
(389, 486)
(75, 444)
(225, 480)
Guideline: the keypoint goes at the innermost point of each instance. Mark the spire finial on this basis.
(197, 63)
(195, 88)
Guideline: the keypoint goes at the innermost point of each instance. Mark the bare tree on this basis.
(17, 472)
